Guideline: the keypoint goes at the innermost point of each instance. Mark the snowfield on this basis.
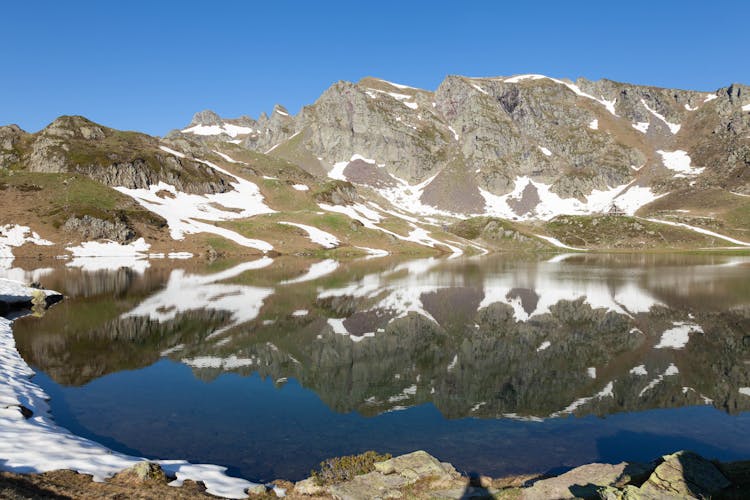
(185, 213)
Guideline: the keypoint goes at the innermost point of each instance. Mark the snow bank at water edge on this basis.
(14, 235)
(36, 444)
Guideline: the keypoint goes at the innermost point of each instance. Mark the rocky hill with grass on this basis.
(527, 162)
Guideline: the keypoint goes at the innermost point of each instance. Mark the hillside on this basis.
(525, 163)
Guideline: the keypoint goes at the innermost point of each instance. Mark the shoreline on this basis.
(46, 461)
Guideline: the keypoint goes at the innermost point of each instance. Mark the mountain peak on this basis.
(206, 117)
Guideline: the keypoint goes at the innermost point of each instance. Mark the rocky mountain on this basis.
(526, 147)
(527, 162)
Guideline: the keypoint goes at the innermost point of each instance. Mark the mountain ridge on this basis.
(380, 158)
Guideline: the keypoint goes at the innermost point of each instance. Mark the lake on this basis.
(500, 365)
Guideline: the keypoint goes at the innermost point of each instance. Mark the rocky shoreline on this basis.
(419, 475)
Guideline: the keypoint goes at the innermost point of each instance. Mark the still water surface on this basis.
(499, 365)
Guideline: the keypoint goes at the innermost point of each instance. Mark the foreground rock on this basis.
(419, 475)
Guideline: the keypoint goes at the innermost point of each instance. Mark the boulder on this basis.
(685, 474)
(142, 472)
(308, 487)
(415, 466)
(585, 481)
(370, 486)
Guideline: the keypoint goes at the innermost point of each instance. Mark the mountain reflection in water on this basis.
(491, 338)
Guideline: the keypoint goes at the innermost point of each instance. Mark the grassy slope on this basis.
(715, 209)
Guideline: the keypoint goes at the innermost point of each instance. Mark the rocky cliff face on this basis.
(76, 145)
(513, 146)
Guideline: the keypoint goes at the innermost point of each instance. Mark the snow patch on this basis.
(679, 161)
(545, 151)
(639, 370)
(301, 187)
(544, 346)
(609, 105)
(673, 127)
(13, 235)
(225, 128)
(642, 126)
(678, 336)
(186, 212)
(480, 89)
(322, 238)
(594, 125)
(670, 371)
(702, 231)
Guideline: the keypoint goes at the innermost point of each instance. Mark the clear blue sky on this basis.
(150, 65)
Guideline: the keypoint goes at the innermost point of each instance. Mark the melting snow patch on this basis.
(673, 127)
(558, 243)
(322, 238)
(745, 391)
(746, 107)
(678, 336)
(689, 107)
(110, 249)
(224, 128)
(702, 231)
(679, 161)
(594, 125)
(591, 372)
(639, 370)
(453, 363)
(710, 97)
(15, 236)
(546, 151)
(552, 205)
(543, 346)
(480, 89)
(670, 371)
(641, 126)
(301, 187)
(300, 312)
(609, 105)
(226, 157)
(185, 212)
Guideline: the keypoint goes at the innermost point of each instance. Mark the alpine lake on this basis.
(501, 365)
